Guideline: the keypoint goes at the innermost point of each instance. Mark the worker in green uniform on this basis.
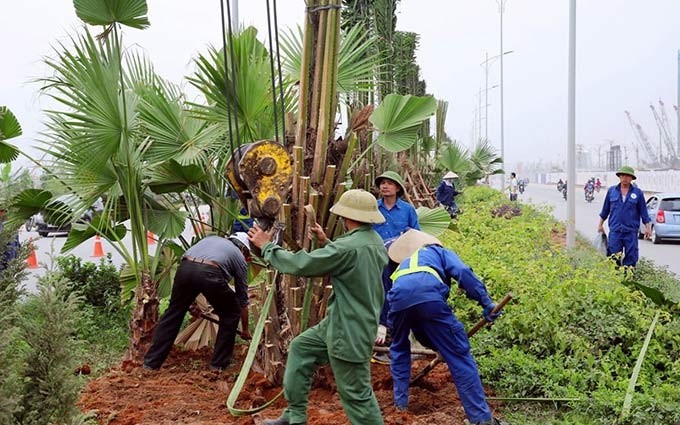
(344, 338)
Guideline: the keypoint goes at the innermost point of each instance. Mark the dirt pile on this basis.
(184, 391)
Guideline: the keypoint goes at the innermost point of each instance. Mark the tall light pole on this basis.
(487, 62)
(234, 14)
(501, 10)
(571, 129)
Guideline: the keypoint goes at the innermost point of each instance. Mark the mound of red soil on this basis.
(184, 391)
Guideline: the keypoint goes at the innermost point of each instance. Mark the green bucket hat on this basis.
(395, 177)
(626, 169)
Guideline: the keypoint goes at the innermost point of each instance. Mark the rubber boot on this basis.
(281, 421)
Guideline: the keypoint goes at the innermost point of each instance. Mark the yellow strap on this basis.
(413, 267)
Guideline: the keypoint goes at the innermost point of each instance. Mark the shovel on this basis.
(479, 325)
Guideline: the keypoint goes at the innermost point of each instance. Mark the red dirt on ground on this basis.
(184, 391)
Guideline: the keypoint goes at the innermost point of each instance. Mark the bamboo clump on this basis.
(302, 302)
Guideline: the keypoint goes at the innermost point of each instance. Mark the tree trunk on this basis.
(144, 318)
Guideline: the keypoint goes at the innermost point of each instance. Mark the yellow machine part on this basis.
(265, 170)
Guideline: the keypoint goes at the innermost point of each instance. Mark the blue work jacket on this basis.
(446, 193)
(420, 287)
(624, 214)
(399, 219)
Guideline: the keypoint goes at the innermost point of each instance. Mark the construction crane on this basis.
(665, 134)
(642, 139)
(667, 127)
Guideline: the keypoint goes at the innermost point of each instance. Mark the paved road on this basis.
(48, 248)
(666, 253)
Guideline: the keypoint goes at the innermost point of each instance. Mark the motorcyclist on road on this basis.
(598, 184)
(589, 189)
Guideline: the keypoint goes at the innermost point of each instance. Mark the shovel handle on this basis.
(479, 325)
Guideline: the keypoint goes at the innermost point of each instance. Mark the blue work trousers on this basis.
(625, 242)
(434, 325)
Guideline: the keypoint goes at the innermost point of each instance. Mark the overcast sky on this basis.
(626, 58)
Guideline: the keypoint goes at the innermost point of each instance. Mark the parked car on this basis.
(664, 210)
(40, 224)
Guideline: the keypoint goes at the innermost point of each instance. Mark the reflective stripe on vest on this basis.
(413, 267)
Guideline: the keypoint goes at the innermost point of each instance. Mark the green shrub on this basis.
(50, 388)
(10, 355)
(97, 283)
(573, 329)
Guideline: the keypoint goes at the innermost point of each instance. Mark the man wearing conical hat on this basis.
(446, 193)
(624, 206)
(344, 338)
(418, 303)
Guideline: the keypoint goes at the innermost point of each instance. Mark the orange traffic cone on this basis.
(98, 249)
(150, 238)
(32, 259)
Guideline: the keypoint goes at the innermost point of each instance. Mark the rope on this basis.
(278, 60)
(273, 76)
(226, 79)
(248, 362)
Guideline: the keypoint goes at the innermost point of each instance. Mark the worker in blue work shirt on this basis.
(446, 193)
(400, 216)
(418, 303)
(624, 206)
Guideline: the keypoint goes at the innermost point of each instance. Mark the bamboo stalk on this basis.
(325, 98)
(303, 193)
(287, 221)
(304, 94)
(349, 153)
(318, 64)
(333, 98)
(326, 295)
(333, 219)
(298, 165)
(310, 220)
(329, 178)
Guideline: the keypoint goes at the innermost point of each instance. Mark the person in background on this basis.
(514, 187)
(344, 338)
(9, 252)
(446, 193)
(206, 268)
(418, 303)
(624, 206)
(399, 217)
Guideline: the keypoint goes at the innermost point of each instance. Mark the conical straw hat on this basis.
(410, 242)
(450, 175)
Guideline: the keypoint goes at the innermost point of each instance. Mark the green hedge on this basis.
(573, 329)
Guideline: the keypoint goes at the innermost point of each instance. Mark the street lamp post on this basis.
(487, 62)
(234, 14)
(501, 9)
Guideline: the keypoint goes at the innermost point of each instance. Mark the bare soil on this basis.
(184, 391)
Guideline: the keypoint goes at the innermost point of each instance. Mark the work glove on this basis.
(380, 336)
(488, 315)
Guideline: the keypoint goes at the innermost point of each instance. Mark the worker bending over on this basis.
(418, 303)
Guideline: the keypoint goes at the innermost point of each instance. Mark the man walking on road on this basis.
(624, 206)
(206, 268)
(344, 338)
